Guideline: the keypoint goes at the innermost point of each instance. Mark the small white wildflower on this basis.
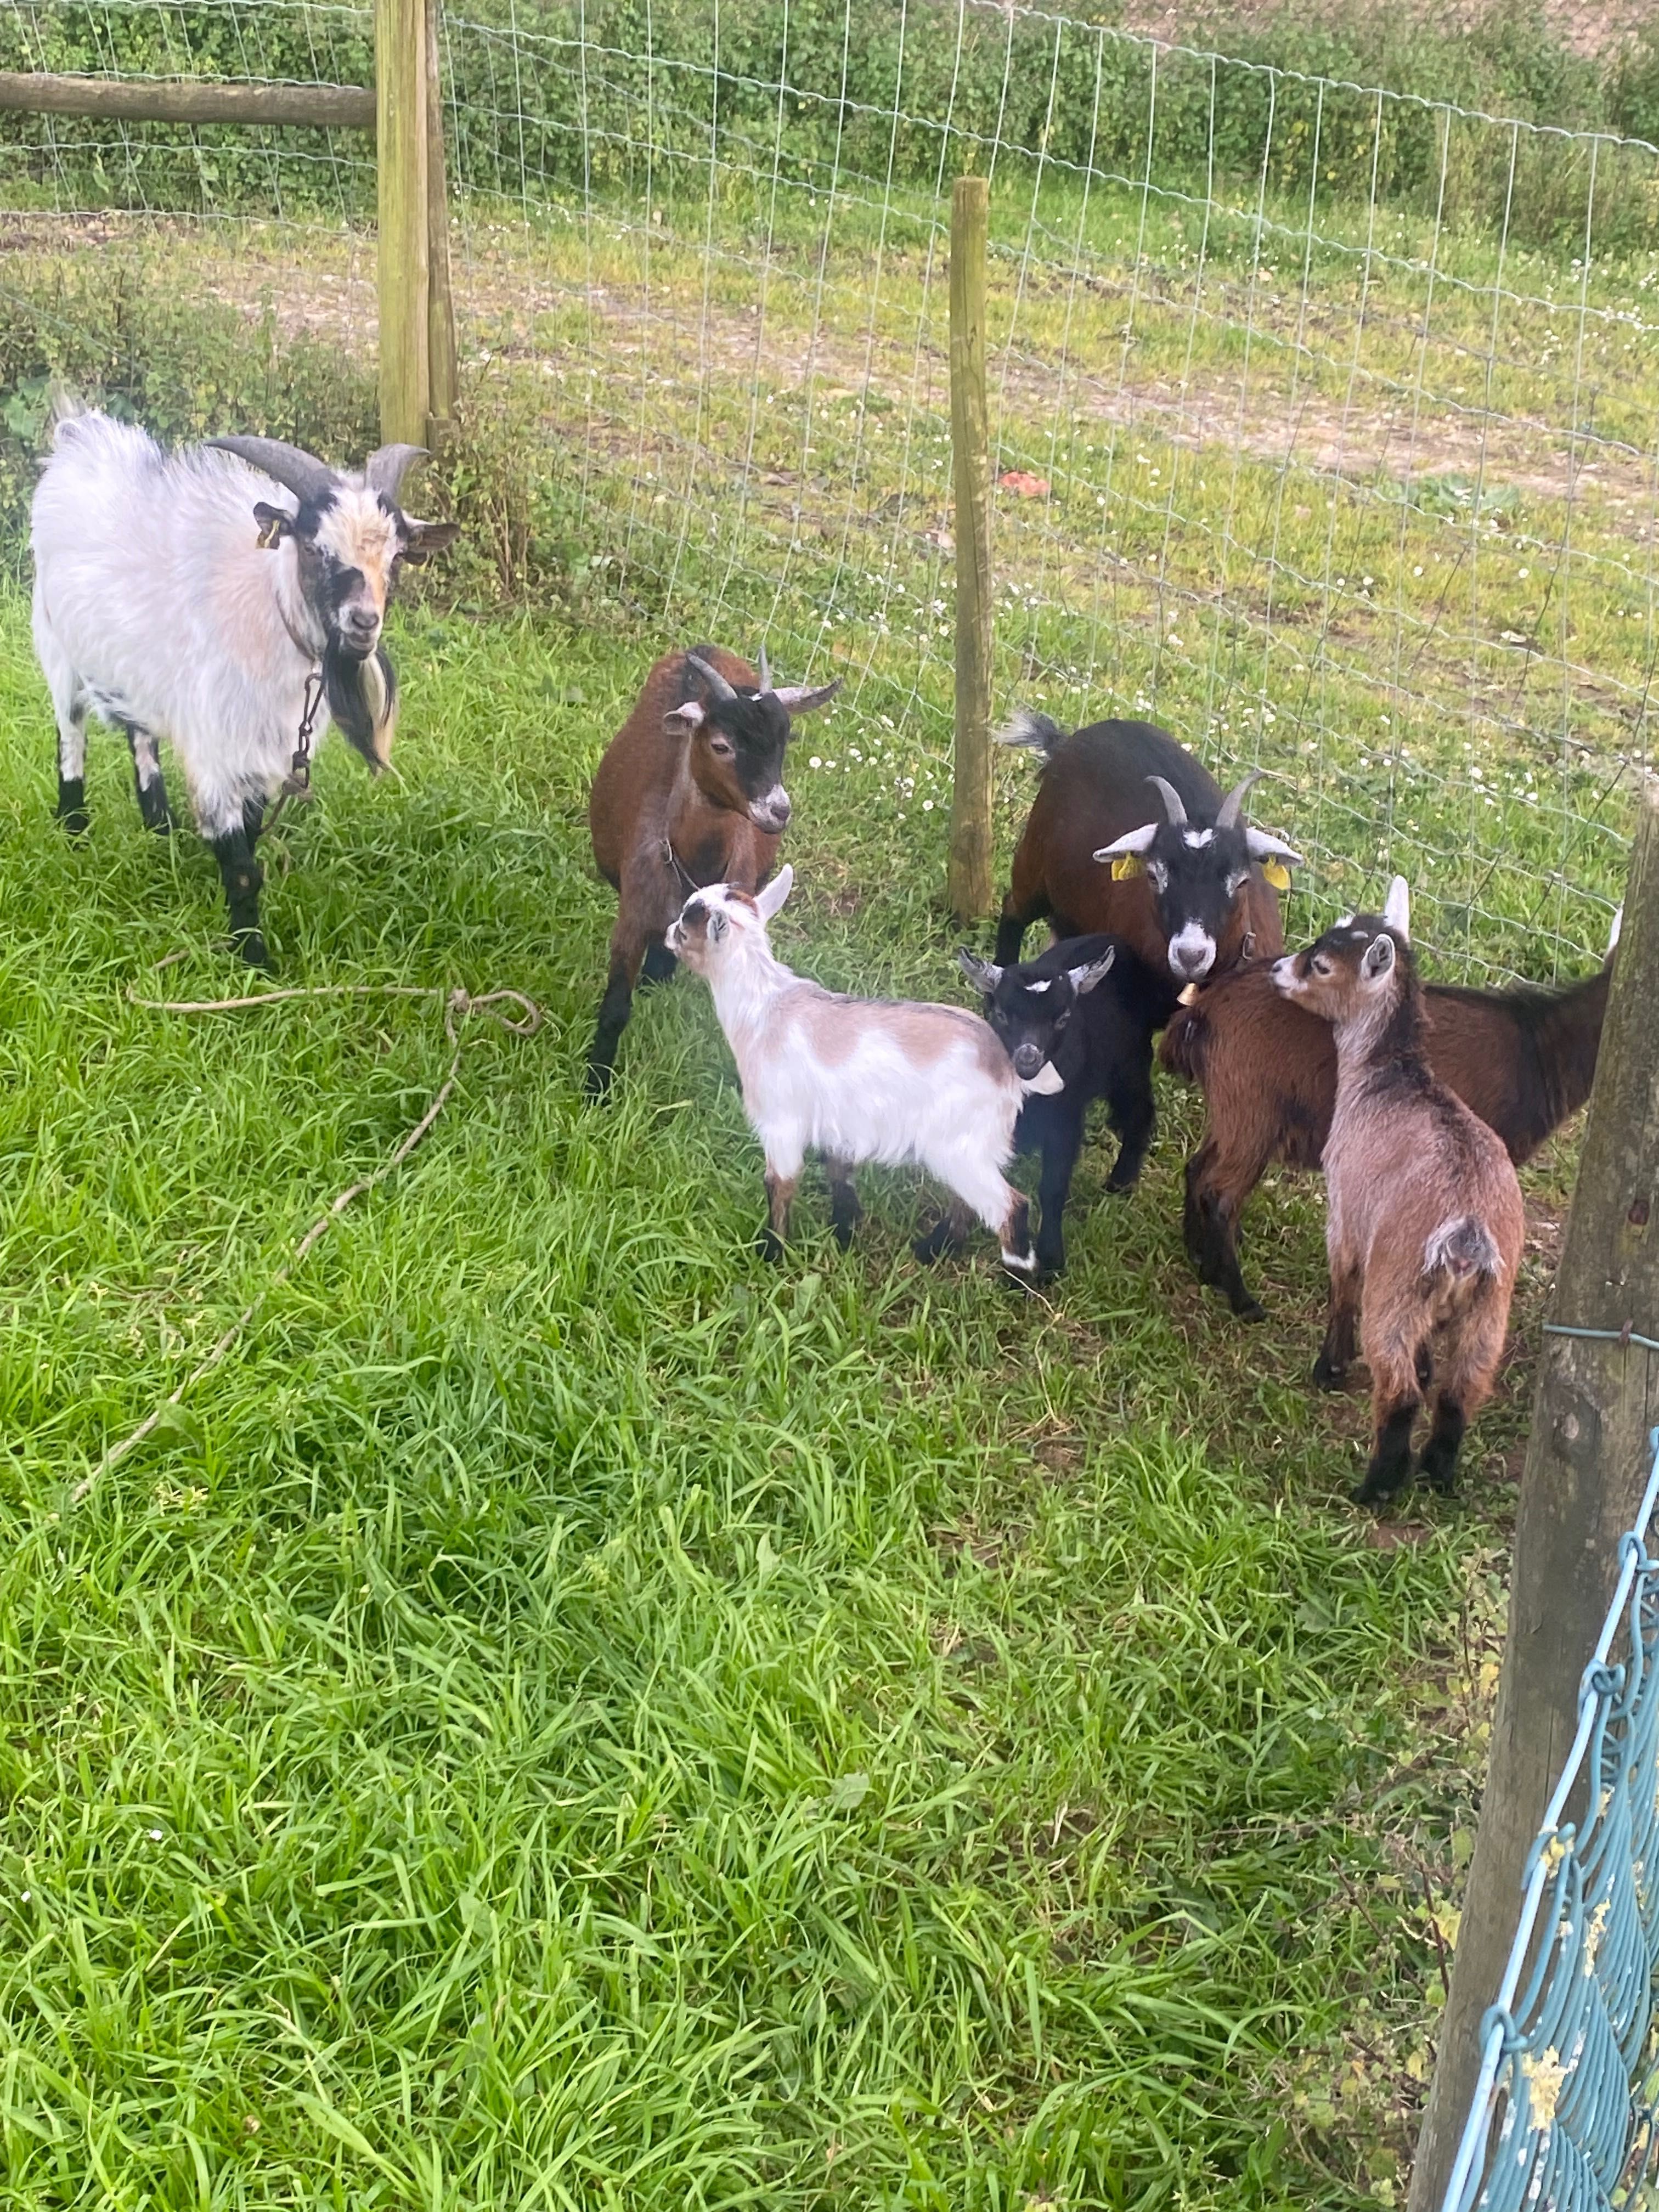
(927, 806)
(155, 1835)
(814, 762)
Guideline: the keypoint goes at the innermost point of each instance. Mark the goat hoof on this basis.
(251, 947)
(933, 1244)
(1250, 1309)
(595, 1083)
(769, 1245)
(843, 1234)
(1326, 1378)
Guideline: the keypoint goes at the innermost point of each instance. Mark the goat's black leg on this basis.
(253, 818)
(1336, 1353)
(69, 704)
(1391, 1454)
(627, 950)
(660, 964)
(1438, 1466)
(146, 780)
(242, 877)
(1062, 1141)
(844, 1207)
(1132, 1114)
(72, 805)
(948, 1234)
(1011, 925)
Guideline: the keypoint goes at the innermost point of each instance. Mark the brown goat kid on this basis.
(689, 793)
(1521, 1059)
(1425, 1223)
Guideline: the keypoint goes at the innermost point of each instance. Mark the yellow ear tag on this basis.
(1277, 874)
(269, 534)
(1127, 865)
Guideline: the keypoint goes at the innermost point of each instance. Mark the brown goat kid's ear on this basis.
(1379, 956)
(684, 722)
(424, 539)
(275, 524)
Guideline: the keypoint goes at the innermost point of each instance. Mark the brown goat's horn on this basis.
(716, 682)
(384, 469)
(1172, 805)
(1232, 807)
(305, 476)
(765, 673)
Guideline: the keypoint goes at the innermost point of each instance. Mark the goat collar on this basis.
(679, 867)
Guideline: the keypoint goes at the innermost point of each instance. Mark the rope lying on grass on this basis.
(458, 1005)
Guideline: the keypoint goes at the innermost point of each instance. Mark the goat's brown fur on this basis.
(1094, 789)
(1521, 1059)
(1425, 1223)
(669, 812)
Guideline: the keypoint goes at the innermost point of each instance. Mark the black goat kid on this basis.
(1078, 1023)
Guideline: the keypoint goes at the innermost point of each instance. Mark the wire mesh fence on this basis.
(1324, 418)
(1564, 2111)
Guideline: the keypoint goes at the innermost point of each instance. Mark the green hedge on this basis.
(654, 92)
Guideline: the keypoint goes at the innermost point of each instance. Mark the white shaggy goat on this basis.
(219, 597)
(856, 1078)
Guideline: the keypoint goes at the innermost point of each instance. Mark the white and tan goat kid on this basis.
(856, 1080)
(1426, 1221)
(220, 597)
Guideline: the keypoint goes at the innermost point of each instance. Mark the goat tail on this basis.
(1463, 1249)
(1037, 732)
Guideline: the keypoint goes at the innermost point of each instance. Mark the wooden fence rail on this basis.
(403, 112)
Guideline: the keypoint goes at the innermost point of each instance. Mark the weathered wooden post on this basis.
(969, 877)
(400, 68)
(441, 364)
(1588, 1460)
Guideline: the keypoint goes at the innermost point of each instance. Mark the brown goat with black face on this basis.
(689, 793)
(1522, 1059)
(1425, 1223)
(1130, 837)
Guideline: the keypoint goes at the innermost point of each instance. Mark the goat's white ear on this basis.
(983, 975)
(1397, 907)
(1084, 978)
(1612, 934)
(684, 722)
(1379, 957)
(776, 891)
(1135, 841)
(1264, 847)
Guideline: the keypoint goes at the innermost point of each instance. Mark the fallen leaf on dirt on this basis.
(1024, 484)
(1389, 1535)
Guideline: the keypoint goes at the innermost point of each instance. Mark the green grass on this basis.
(567, 1715)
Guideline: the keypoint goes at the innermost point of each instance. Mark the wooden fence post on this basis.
(402, 281)
(442, 369)
(969, 876)
(1588, 1460)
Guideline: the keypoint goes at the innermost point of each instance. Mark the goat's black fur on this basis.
(1098, 1042)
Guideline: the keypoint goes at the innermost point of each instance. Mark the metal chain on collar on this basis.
(296, 784)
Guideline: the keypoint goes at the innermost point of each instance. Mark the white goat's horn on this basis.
(765, 673)
(716, 682)
(384, 469)
(305, 476)
(1172, 805)
(1232, 807)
